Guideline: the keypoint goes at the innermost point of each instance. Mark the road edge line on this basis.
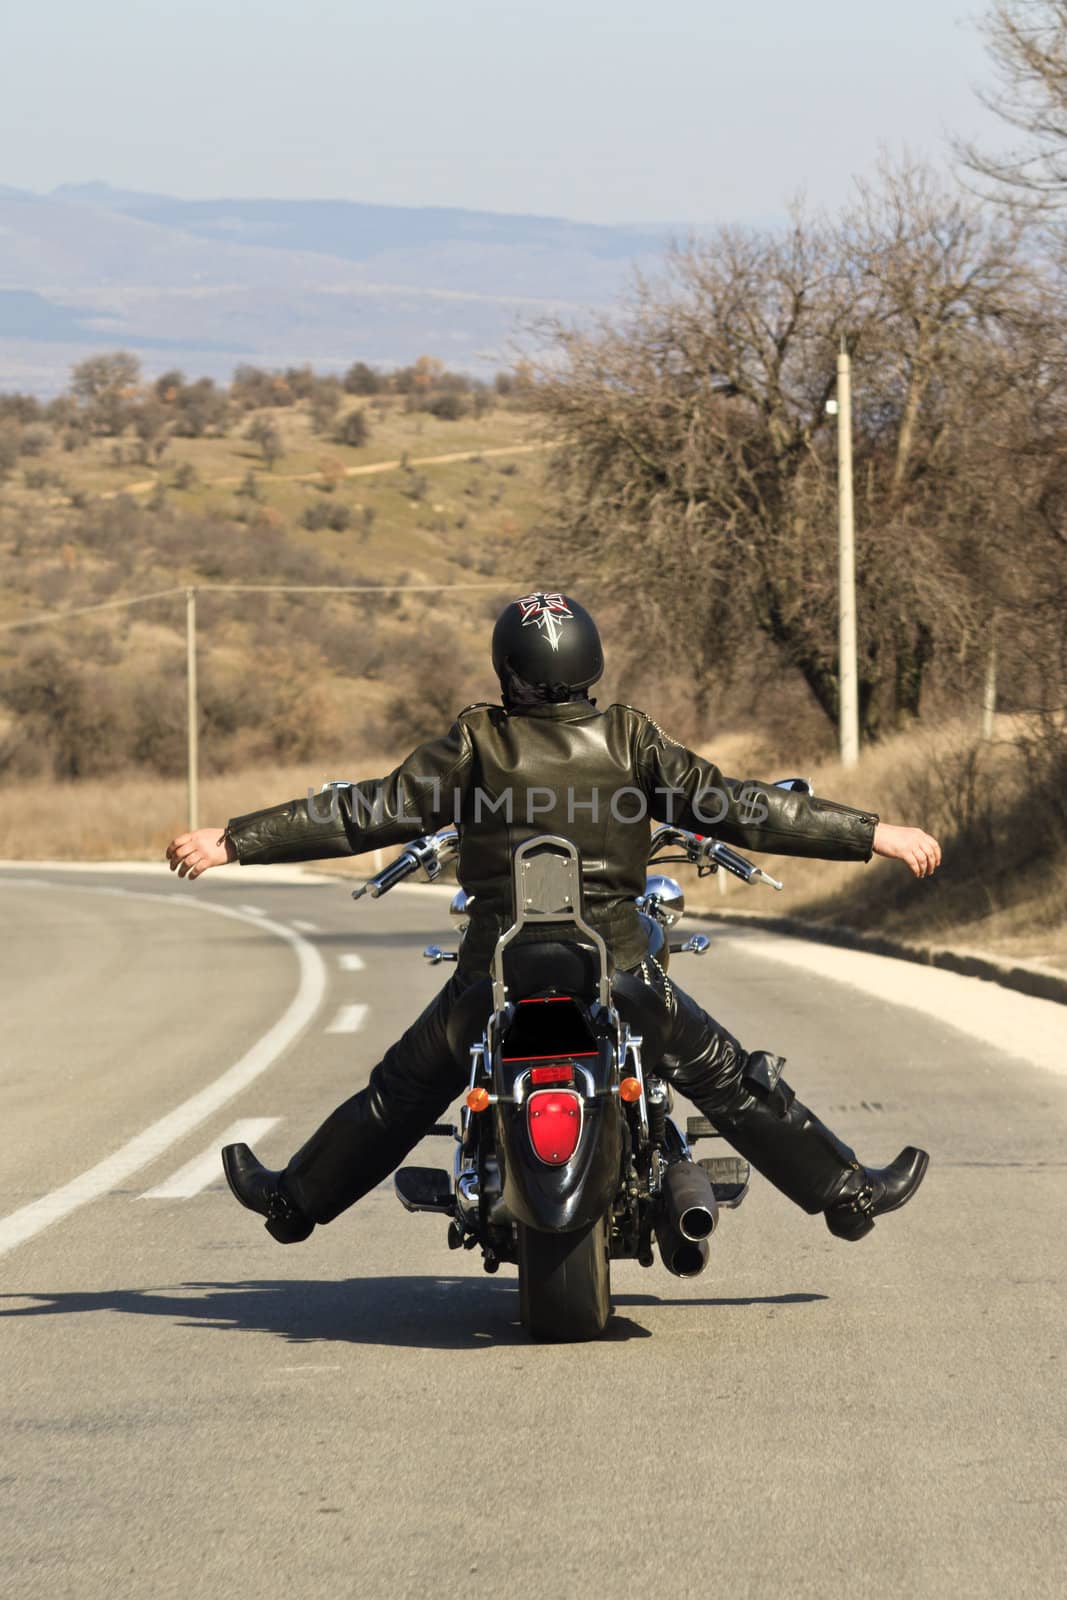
(145, 1147)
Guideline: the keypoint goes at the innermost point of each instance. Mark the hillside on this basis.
(424, 502)
(209, 283)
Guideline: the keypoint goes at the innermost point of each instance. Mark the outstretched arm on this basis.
(757, 816)
(416, 798)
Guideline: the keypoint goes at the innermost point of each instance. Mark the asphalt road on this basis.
(190, 1409)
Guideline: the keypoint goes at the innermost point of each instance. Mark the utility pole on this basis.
(191, 707)
(848, 694)
(989, 691)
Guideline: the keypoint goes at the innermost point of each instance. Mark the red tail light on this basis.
(554, 1118)
(562, 1072)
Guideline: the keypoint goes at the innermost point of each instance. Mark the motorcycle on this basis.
(566, 1154)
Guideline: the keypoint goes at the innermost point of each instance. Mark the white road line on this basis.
(349, 1019)
(254, 911)
(349, 961)
(145, 1147)
(206, 1168)
(305, 927)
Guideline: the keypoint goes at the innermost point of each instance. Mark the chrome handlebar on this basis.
(431, 852)
(707, 855)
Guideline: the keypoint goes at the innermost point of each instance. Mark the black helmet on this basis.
(547, 641)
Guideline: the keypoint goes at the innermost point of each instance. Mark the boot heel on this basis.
(849, 1224)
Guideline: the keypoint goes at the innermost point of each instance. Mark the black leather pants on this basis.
(743, 1094)
(368, 1136)
(418, 1078)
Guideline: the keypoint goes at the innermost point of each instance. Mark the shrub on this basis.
(316, 516)
(201, 408)
(253, 388)
(353, 429)
(325, 404)
(149, 420)
(9, 450)
(20, 408)
(264, 433)
(106, 386)
(300, 381)
(361, 379)
(35, 441)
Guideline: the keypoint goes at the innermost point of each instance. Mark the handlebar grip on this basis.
(394, 873)
(725, 857)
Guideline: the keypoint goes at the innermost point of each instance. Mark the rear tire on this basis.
(564, 1283)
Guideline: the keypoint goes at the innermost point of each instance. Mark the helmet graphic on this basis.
(548, 639)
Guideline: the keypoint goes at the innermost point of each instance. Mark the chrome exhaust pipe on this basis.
(689, 1201)
(684, 1258)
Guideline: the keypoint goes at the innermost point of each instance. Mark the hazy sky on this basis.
(607, 110)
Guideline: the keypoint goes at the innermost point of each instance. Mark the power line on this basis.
(250, 588)
(81, 611)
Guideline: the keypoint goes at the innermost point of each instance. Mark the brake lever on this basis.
(435, 955)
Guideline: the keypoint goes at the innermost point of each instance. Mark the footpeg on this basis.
(729, 1178)
(424, 1189)
(700, 1128)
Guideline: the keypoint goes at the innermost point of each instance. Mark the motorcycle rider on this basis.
(547, 760)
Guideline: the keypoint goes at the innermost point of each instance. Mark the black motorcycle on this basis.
(566, 1155)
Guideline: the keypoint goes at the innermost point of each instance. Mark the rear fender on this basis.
(565, 1197)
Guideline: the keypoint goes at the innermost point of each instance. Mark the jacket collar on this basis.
(569, 711)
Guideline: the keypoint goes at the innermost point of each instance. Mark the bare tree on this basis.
(1027, 40)
(106, 386)
(698, 465)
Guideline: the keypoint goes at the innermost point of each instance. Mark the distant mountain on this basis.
(284, 281)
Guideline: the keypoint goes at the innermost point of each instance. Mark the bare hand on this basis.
(190, 854)
(920, 850)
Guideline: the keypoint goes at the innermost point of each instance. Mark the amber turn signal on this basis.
(477, 1099)
(630, 1090)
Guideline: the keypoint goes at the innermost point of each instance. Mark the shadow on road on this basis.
(424, 1313)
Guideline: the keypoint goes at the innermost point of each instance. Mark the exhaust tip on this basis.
(688, 1259)
(696, 1223)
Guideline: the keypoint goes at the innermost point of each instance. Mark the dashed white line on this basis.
(207, 1168)
(146, 1147)
(305, 927)
(349, 1019)
(350, 961)
(254, 911)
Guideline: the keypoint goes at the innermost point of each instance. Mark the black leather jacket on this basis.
(597, 777)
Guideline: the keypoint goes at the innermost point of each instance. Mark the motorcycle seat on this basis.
(566, 969)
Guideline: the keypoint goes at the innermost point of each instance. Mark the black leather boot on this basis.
(262, 1190)
(870, 1192)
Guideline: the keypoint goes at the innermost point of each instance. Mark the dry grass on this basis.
(1002, 887)
(132, 819)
